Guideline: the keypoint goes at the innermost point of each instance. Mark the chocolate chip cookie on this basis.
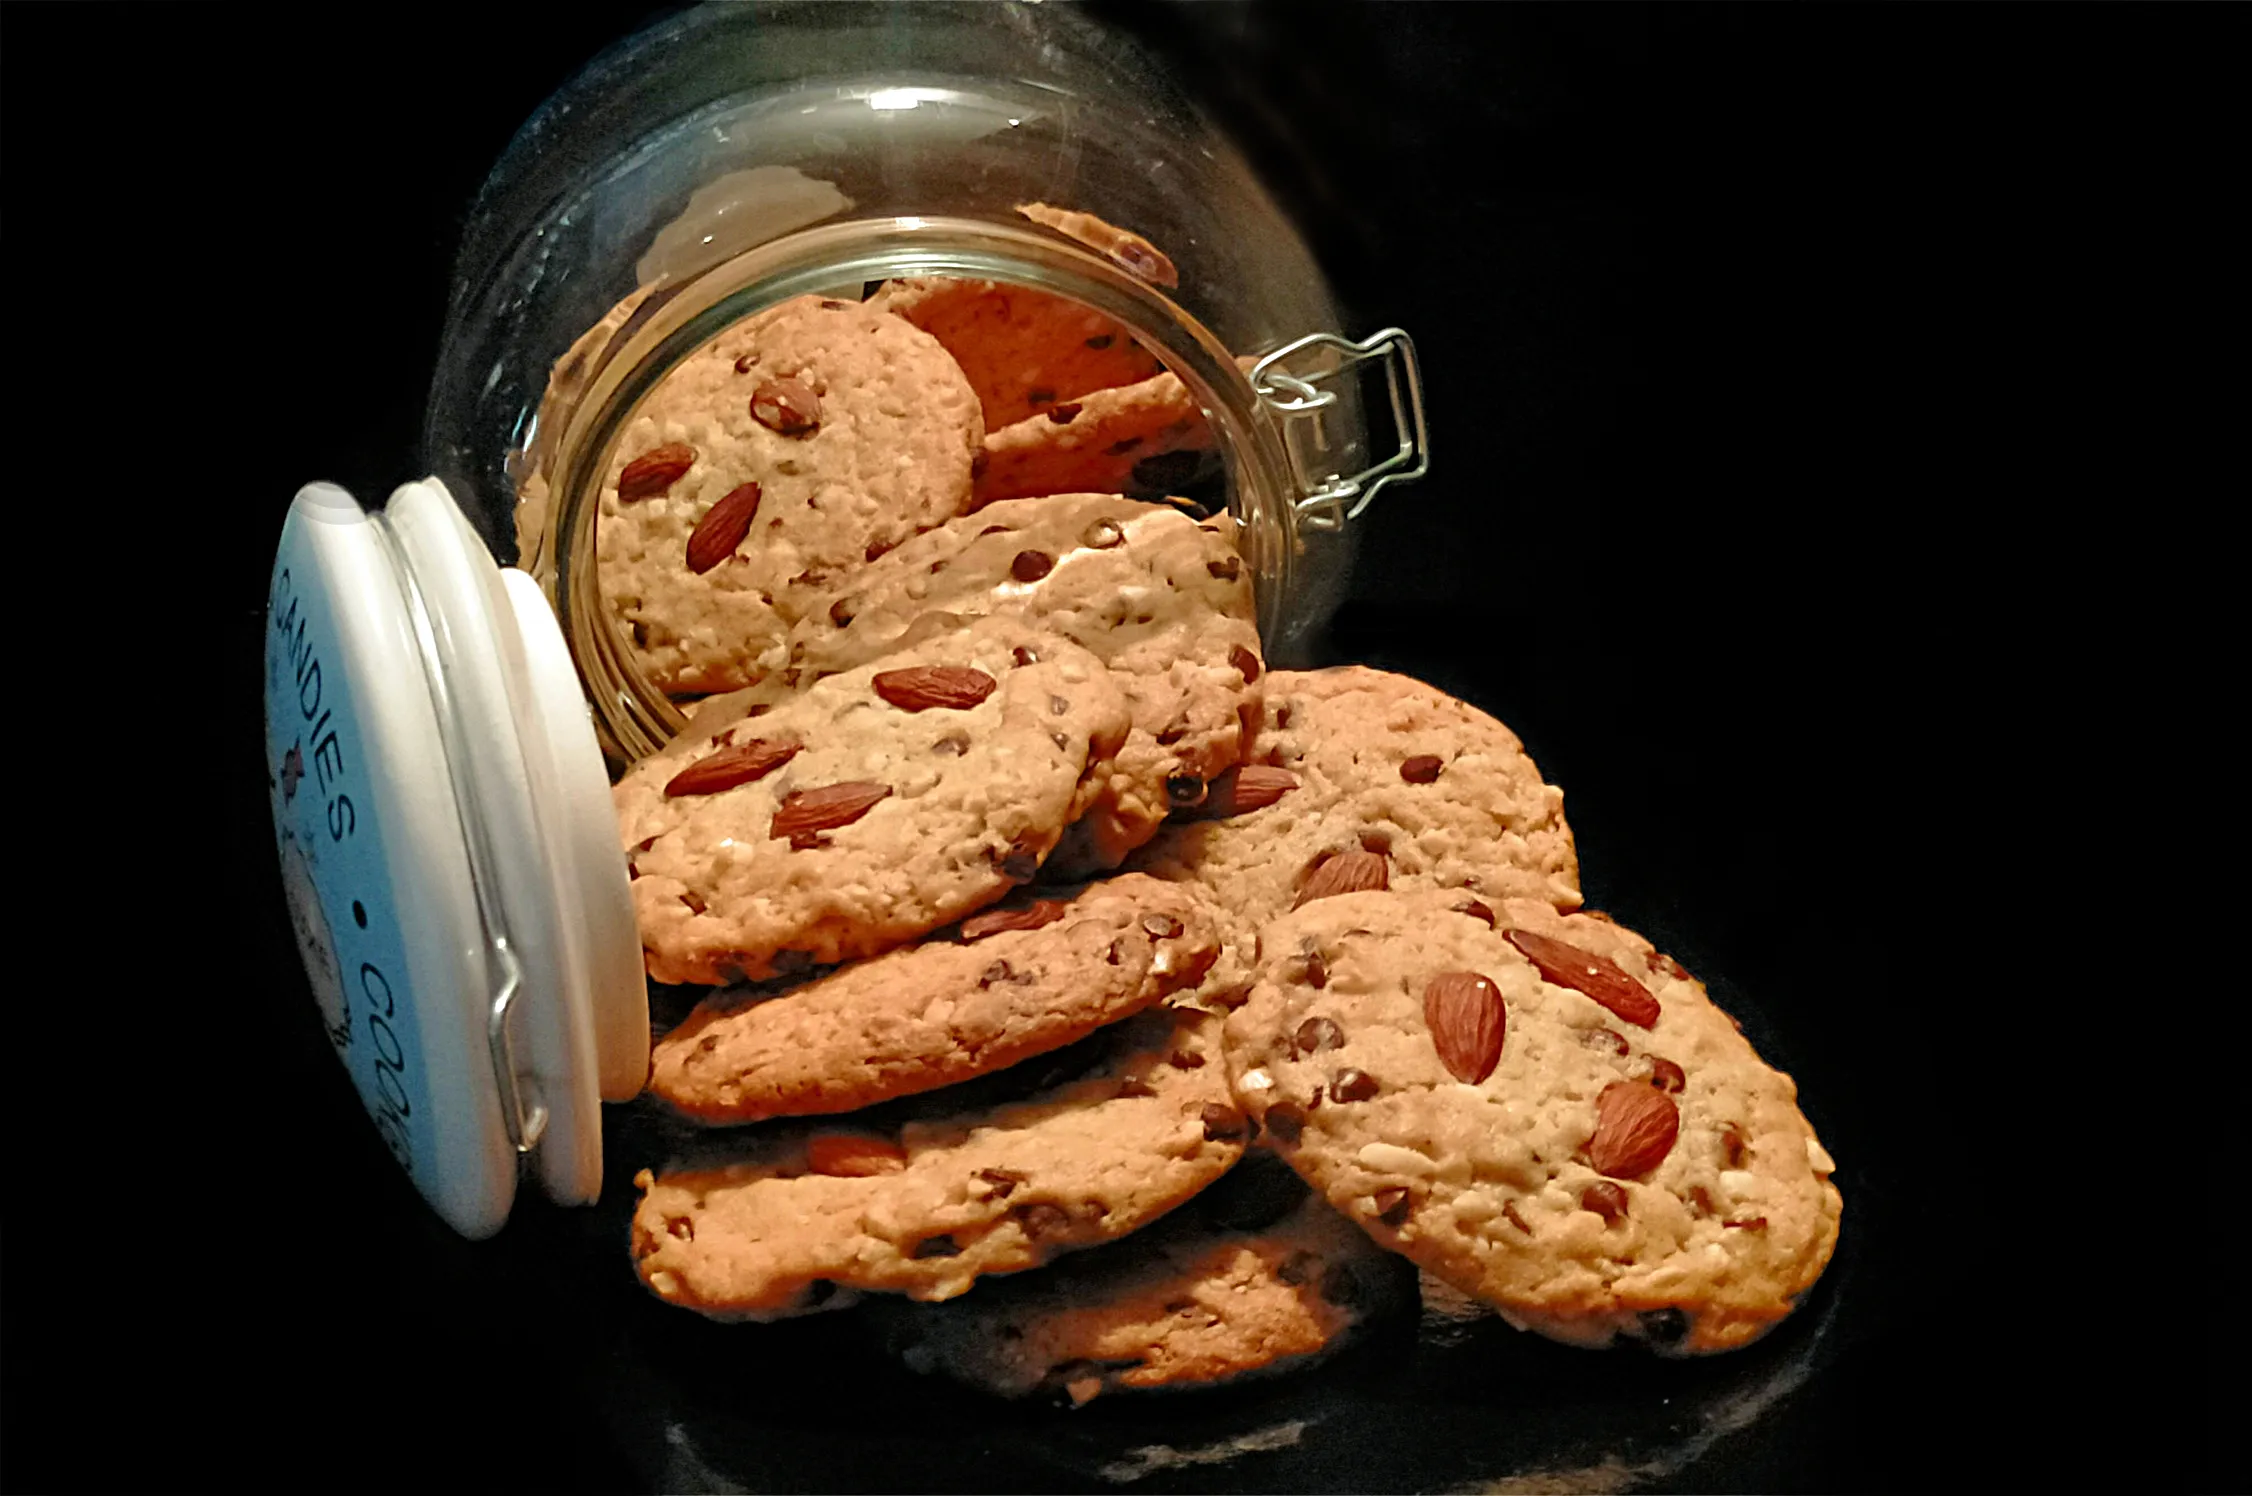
(804, 1220)
(765, 466)
(1148, 440)
(1018, 979)
(873, 808)
(1247, 1279)
(1539, 1109)
(1162, 600)
(1361, 778)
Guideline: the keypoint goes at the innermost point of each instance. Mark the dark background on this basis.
(1752, 339)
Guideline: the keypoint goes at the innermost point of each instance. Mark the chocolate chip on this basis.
(1062, 414)
(1245, 662)
(695, 904)
(936, 1246)
(1391, 1205)
(1664, 1326)
(1131, 1087)
(1318, 1034)
(1041, 1218)
(1185, 1059)
(1422, 769)
(840, 612)
(1352, 1085)
(746, 363)
(1031, 566)
(1184, 790)
(1227, 569)
(1666, 1075)
(877, 550)
(833, 306)
(1224, 1124)
(1317, 973)
(1286, 1120)
(1003, 1181)
(1024, 656)
(1606, 1199)
(999, 971)
(1163, 926)
(681, 1227)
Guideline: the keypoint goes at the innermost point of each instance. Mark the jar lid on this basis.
(448, 850)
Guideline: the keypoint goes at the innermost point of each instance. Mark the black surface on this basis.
(1732, 321)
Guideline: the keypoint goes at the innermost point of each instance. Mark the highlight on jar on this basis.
(988, 380)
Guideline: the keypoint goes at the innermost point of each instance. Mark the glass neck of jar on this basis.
(634, 718)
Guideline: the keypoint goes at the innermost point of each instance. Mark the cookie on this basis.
(1023, 351)
(873, 808)
(1146, 440)
(1204, 1297)
(1539, 1109)
(801, 1220)
(1020, 979)
(1136, 254)
(765, 466)
(1385, 777)
(1162, 600)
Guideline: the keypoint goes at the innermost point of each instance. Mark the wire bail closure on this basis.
(1328, 500)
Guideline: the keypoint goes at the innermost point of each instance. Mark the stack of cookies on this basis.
(1095, 1007)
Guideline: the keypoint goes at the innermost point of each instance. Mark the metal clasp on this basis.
(1327, 499)
(521, 1109)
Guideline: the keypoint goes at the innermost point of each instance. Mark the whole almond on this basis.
(921, 687)
(722, 528)
(736, 764)
(845, 1155)
(787, 406)
(807, 813)
(655, 471)
(1031, 917)
(1584, 971)
(1422, 769)
(1635, 1126)
(1347, 872)
(1238, 792)
(1467, 1020)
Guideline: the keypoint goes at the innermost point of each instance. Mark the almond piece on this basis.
(921, 687)
(1467, 1019)
(1586, 972)
(1422, 769)
(655, 471)
(845, 1155)
(1635, 1126)
(737, 764)
(722, 528)
(807, 813)
(1031, 566)
(786, 406)
(1347, 872)
(1031, 917)
(1238, 792)
(1245, 662)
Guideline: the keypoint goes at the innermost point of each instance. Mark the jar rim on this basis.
(632, 717)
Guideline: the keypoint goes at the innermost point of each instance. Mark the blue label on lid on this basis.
(334, 866)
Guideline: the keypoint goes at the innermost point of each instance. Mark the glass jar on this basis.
(729, 159)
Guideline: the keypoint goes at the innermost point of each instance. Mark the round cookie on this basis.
(1576, 1136)
(765, 466)
(873, 808)
(1203, 1297)
(804, 1219)
(1023, 351)
(1433, 792)
(1147, 439)
(1019, 979)
(1162, 600)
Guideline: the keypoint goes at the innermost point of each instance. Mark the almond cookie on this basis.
(1147, 440)
(1023, 351)
(1021, 978)
(1162, 600)
(1394, 782)
(875, 807)
(1539, 1109)
(1247, 1279)
(765, 466)
(805, 1221)
(1136, 254)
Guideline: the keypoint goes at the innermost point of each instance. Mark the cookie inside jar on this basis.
(740, 486)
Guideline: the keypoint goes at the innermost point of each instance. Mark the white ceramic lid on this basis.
(448, 852)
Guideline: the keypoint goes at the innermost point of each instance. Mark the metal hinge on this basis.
(1326, 500)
